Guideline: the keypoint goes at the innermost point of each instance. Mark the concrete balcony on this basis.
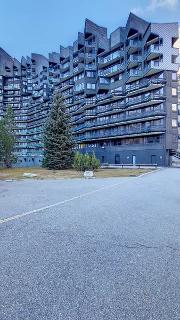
(123, 118)
(78, 69)
(105, 61)
(78, 58)
(153, 67)
(65, 67)
(79, 127)
(112, 70)
(111, 108)
(152, 52)
(133, 45)
(133, 60)
(145, 100)
(103, 84)
(133, 74)
(145, 85)
(36, 95)
(117, 132)
(90, 113)
(11, 87)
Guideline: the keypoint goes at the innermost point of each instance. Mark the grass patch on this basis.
(17, 173)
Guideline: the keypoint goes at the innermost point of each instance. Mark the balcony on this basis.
(90, 101)
(36, 94)
(12, 87)
(152, 67)
(111, 107)
(112, 58)
(79, 127)
(79, 68)
(133, 60)
(146, 100)
(67, 85)
(133, 45)
(117, 132)
(152, 52)
(146, 84)
(133, 74)
(90, 56)
(90, 113)
(65, 67)
(112, 70)
(127, 118)
(78, 58)
(103, 84)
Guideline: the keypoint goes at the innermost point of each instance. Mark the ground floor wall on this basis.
(28, 161)
(131, 155)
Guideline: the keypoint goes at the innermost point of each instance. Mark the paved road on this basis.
(109, 251)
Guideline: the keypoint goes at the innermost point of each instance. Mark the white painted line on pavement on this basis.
(150, 172)
(21, 215)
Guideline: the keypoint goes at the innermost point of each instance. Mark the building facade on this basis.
(121, 92)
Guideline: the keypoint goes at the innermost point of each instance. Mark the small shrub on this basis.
(85, 161)
(78, 161)
(95, 163)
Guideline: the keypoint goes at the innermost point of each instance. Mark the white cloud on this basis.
(156, 4)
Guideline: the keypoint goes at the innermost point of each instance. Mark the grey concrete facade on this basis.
(121, 93)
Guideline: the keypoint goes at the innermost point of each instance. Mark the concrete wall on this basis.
(153, 154)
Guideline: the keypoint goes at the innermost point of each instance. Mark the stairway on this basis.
(175, 153)
(175, 158)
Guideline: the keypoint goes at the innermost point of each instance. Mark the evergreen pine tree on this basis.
(7, 138)
(58, 140)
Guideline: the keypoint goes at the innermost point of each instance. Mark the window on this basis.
(174, 91)
(174, 123)
(174, 107)
(174, 76)
(91, 85)
(90, 74)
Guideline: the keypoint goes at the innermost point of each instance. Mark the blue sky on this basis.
(42, 25)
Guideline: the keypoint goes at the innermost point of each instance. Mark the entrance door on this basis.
(134, 160)
(153, 159)
(117, 159)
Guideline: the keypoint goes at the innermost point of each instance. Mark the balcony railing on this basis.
(111, 57)
(154, 48)
(134, 73)
(133, 43)
(147, 98)
(112, 69)
(144, 83)
(134, 58)
(153, 64)
(110, 108)
(123, 132)
(125, 117)
(90, 112)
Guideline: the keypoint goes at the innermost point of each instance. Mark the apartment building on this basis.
(121, 92)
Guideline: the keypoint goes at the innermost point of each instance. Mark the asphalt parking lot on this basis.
(100, 249)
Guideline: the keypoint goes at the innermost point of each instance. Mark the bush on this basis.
(95, 163)
(85, 161)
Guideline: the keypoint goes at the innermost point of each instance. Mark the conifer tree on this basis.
(58, 139)
(7, 138)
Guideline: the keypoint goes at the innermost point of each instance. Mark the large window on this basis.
(91, 85)
(174, 107)
(174, 76)
(90, 74)
(174, 123)
(174, 92)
